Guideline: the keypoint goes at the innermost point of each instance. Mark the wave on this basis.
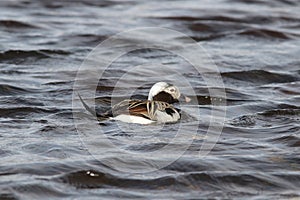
(269, 3)
(21, 56)
(260, 77)
(6, 89)
(213, 27)
(281, 112)
(92, 3)
(264, 118)
(289, 140)
(25, 111)
(204, 181)
(267, 33)
(15, 24)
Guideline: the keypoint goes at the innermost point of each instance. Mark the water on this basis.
(255, 45)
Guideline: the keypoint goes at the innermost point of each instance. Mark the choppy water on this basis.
(255, 45)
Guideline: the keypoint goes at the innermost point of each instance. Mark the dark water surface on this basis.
(255, 44)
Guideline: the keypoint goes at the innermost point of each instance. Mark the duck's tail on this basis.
(91, 111)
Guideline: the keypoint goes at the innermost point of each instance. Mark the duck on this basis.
(158, 108)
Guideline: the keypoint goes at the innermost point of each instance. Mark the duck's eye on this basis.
(172, 90)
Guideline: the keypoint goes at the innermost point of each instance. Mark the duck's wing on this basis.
(132, 107)
(146, 109)
(150, 109)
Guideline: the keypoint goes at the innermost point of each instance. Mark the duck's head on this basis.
(165, 92)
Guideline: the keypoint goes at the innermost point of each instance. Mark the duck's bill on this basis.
(184, 98)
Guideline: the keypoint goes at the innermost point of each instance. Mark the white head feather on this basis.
(163, 86)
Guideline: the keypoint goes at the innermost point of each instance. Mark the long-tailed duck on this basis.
(158, 107)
